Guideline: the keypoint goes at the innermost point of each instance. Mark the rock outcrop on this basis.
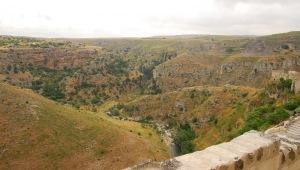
(248, 71)
(293, 75)
(53, 58)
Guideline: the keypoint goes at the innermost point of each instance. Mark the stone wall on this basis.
(276, 149)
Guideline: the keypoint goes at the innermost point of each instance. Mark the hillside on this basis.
(37, 133)
(202, 116)
(215, 113)
(92, 71)
(104, 98)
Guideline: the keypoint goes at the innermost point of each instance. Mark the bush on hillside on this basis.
(96, 100)
(85, 85)
(154, 88)
(229, 49)
(118, 67)
(147, 72)
(277, 116)
(284, 84)
(184, 138)
(36, 85)
(53, 91)
(131, 108)
(292, 105)
(254, 121)
(146, 119)
(115, 110)
(262, 117)
(298, 110)
(281, 87)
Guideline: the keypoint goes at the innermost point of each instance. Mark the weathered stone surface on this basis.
(293, 75)
(254, 72)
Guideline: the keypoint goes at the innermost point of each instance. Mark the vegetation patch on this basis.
(292, 105)
(184, 138)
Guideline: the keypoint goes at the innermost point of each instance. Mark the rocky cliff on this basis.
(52, 58)
(249, 71)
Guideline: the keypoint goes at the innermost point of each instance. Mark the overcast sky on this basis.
(114, 18)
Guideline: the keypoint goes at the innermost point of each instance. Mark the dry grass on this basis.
(215, 113)
(37, 133)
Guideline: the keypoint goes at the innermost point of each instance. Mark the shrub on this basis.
(114, 111)
(53, 91)
(253, 121)
(291, 105)
(229, 49)
(264, 116)
(193, 94)
(285, 46)
(186, 147)
(36, 85)
(146, 119)
(154, 88)
(256, 119)
(118, 67)
(96, 100)
(94, 109)
(284, 84)
(147, 72)
(184, 137)
(86, 85)
(206, 93)
(277, 116)
(298, 109)
(131, 108)
(245, 94)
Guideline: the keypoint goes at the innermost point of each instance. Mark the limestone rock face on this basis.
(297, 86)
(251, 71)
(293, 75)
(53, 58)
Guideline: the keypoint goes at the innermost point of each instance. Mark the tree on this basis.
(184, 138)
(53, 91)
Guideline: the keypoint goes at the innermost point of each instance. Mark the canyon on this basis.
(206, 100)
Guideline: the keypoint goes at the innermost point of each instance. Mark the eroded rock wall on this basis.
(53, 58)
(251, 71)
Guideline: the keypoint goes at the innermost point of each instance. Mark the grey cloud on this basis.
(259, 17)
(262, 18)
(265, 2)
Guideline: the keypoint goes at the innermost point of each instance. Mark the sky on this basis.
(142, 18)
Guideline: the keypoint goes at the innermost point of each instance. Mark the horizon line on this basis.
(143, 37)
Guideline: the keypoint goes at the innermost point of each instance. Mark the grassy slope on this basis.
(216, 113)
(37, 133)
